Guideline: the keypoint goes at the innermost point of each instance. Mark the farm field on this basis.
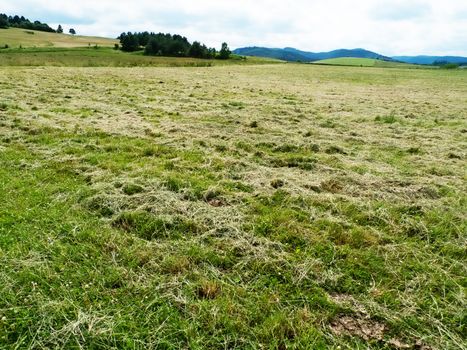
(16, 37)
(106, 57)
(364, 62)
(274, 206)
(62, 50)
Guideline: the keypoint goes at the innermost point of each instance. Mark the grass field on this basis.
(16, 37)
(364, 62)
(61, 50)
(248, 207)
(105, 57)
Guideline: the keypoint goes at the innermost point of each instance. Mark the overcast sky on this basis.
(389, 27)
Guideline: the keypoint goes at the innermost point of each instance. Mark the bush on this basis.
(450, 66)
(224, 53)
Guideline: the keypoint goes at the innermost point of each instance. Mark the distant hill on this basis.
(431, 59)
(16, 37)
(280, 54)
(294, 55)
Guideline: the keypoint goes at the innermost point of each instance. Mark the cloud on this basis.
(389, 27)
(401, 10)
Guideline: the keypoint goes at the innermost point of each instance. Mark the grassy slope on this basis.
(16, 37)
(106, 57)
(51, 49)
(363, 62)
(348, 61)
(273, 206)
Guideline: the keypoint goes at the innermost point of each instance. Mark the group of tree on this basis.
(21, 22)
(449, 65)
(169, 45)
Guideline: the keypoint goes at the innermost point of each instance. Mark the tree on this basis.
(60, 29)
(212, 53)
(72, 31)
(3, 21)
(198, 50)
(224, 53)
(21, 22)
(165, 44)
(177, 48)
(16, 19)
(143, 38)
(129, 42)
(153, 47)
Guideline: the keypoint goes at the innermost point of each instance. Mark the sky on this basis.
(389, 27)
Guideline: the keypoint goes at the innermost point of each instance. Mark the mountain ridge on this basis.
(426, 59)
(294, 55)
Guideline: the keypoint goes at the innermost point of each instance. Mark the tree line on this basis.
(21, 22)
(169, 45)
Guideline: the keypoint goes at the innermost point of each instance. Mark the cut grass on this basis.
(18, 37)
(363, 62)
(106, 57)
(275, 206)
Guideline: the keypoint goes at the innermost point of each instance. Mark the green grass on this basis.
(34, 48)
(107, 57)
(363, 62)
(18, 37)
(240, 207)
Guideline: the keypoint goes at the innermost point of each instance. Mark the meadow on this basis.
(107, 57)
(19, 37)
(25, 48)
(367, 62)
(277, 206)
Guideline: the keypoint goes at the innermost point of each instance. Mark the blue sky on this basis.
(390, 27)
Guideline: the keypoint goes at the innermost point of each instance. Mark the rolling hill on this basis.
(281, 54)
(431, 59)
(294, 55)
(16, 37)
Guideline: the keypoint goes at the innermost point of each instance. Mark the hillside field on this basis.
(279, 206)
(106, 57)
(363, 62)
(16, 37)
(60, 50)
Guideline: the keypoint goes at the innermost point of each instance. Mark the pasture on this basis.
(106, 57)
(25, 38)
(365, 62)
(277, 206)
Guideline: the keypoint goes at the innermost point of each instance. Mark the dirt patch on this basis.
(363, 328)
(370, 330)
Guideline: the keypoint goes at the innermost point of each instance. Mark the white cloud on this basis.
(397, 10)
(389, 27)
